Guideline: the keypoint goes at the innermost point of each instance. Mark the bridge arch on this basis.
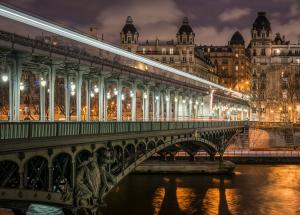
(151, 145)
(36, 173)
(141, 149)
(129, 154)
(9, 174)
(62, 173)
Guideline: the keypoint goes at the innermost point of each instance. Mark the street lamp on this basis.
(115, 92)
(108, 96)
(4, 78)
(131, 94)
(43, 82)
(22, 87)
(96, 89)
(92, 94)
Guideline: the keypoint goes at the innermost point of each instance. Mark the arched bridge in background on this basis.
(75, 164)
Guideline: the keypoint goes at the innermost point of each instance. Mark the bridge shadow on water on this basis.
(170, 194)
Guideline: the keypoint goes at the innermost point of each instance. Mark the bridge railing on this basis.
(28, 130)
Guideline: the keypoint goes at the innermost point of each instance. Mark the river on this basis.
(254, 189)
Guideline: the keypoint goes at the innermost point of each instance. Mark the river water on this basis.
(254, 189)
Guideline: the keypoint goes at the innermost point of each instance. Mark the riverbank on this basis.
(186, 167)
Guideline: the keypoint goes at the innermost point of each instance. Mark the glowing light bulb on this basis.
(115, 91)
(167, 98)
(4, 78)
(156, 97)
(73, 86)
(108, 96)
(131, 94)
(123, 97)
(43, 82)
(183, 101)
(92, 95)
(176, 100)
(73, 93)
(22, 87)
(96, 89)
(145, 95)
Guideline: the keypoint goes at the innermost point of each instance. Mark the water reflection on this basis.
(260, 189)
(158, 199)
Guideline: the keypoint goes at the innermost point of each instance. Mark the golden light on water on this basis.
(210, 202)
(158, 199)
(185, 198)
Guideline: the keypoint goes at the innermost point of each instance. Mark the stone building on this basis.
(232, 61)
(275, 82)
(180, 53)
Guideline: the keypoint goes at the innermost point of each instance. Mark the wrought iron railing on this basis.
(28, 130)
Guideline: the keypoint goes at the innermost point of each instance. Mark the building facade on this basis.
(180, 53)
(232, 61)
(275, 82)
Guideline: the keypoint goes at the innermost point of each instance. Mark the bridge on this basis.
(78, 116)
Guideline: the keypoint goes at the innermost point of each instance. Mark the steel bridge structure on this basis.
(77, 116)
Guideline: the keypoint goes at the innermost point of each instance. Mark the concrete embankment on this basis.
(186, 167)
(264, 160)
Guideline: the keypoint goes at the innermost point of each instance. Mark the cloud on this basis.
(290, 29)
(234, 14)
(210, 35)
(150, 19)
(294, 9)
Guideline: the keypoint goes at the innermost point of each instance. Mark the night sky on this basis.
(213, 21)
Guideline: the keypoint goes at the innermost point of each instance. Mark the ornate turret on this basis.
(261, 27)
(185, 34)
(129, 35)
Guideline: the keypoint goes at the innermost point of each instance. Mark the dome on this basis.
(261, 22)
(129, 27)
(237, 39)
(185, 27)
(278, 40)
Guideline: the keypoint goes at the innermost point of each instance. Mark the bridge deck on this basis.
(15, 145)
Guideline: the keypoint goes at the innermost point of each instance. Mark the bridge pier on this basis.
(133, 101)
(52, 77)
(67, 97)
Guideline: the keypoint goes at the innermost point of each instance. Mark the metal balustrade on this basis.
(28, 130)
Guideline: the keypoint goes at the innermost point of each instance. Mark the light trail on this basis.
(50, 27)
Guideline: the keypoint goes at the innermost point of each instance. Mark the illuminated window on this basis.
(236, 68)
(163, 51)
(144, 51)
(171, 51)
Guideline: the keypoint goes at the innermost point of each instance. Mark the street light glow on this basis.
(22, 86)
(44, 25)
(4, 78)
(43, 83)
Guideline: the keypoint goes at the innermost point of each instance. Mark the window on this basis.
(164, 60)
(263, 52)
(236, 67)
(144, 51)
(184, 60)
(129, 39)
(171, 60)
(263, 35)
(184, 40)
(163, 51)
(171, 51)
